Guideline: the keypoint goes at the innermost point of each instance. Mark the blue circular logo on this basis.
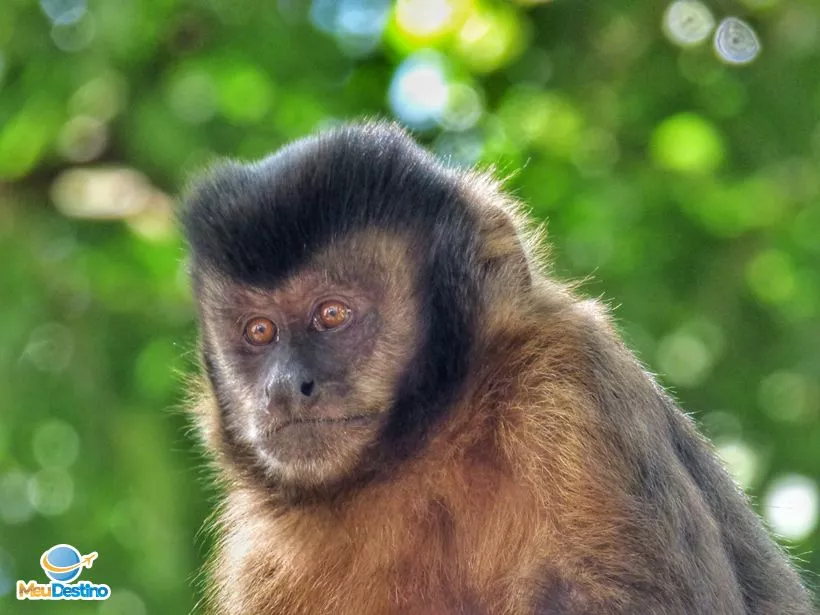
(61, 563)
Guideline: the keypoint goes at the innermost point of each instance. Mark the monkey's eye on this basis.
(331, 314)
(260, 331)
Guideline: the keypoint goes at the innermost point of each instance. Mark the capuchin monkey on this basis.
(408, 416)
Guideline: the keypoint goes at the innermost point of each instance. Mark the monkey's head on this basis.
(340, 286)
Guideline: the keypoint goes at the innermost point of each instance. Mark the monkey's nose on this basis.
(307, 388)
(289, 389)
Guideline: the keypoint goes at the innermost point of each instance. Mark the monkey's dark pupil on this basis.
(260, 331)
(332, 315)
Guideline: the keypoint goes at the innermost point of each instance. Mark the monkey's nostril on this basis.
(307, 388)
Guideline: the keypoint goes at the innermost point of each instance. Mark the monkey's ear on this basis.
(507, 246)
(503, 248)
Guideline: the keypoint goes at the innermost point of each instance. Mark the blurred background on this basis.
(673, 148)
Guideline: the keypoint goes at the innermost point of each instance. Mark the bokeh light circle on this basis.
(791, 506)
(56, 444)
(51, 491)
(419, 91)
(688, 22)
(64, 12)
(15, 506)
(736, 41)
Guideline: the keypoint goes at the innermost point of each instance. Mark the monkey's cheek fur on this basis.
(323, 447)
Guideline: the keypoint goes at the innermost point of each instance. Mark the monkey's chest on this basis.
(422, 578)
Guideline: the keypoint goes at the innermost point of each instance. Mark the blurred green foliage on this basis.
(684, 189)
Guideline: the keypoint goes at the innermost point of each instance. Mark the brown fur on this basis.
(523, 500)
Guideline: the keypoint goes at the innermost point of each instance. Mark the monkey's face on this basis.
(306, 371)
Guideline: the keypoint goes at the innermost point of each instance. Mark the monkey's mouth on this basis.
(341, 420)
